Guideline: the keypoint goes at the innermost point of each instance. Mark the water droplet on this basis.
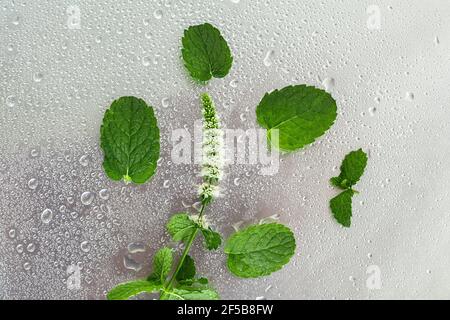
(236, 181)
(27, 265)
(165, 102)
(158, 14)
(260, 298)
(87, 198)
(437, 40)
(34, 153)
(409, 96)
(268, 58)
(329, 84)
(84, 160)
(131, 264)
(12, 233)
(429, 271)
(11, 101)
(166, 184)
(33, 183)
(19, 248)
(47, 216)
(136, 247)
(85, 246)
(234, 83)
(37, 77)
(372, 111)
(104, 194)
(146, 61)
(31, 247)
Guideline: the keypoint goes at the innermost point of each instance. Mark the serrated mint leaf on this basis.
(181, 227)
(162, 264)
(205, 52)
(212, 239)
(295, 116)
(259, 250)
(341, 206)
(126, 290)
(129, 138)
(187, 271)
(190, 293)
(352, 169)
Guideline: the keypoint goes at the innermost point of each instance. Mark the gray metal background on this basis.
(392, 88)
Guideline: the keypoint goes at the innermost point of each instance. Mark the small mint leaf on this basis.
(162, 264)
(187, 271)
(126, 290)
(181, 227)
(341, 206)
(212, 239)
(352, 169)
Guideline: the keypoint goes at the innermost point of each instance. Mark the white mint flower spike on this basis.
(212, 151)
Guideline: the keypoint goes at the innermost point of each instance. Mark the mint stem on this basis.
(186, 250)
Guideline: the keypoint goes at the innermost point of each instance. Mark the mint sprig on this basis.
(352, 169)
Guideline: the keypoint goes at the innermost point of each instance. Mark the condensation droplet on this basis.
(146, 61)
(12, 233)
(27, 265)
(409, 96)
(11, 101)
(37, 77)
(165, 102)
(33, 183)
(87, 198)
(131, 264)
(136, 247)
(47, 216)
(84, 160)
(268, 58)
(19, 248)
(85, 246)
(158, 14)
(104, 194)
(329, 84)
(31, 247)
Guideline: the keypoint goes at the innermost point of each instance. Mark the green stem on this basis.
(186, 250)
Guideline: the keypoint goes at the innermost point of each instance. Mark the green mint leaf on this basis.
(187, 271)
(190, 293)
(205, 52)
(129, 138)
(259, 250)
(212, 239)
(126, 290)
(341, 206)
(162, 264)
(352, 169)
(300, 113)
(181, 227)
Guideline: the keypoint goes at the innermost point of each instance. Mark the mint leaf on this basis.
(300, 113)
(129, 138)
(126, 290)
(187, 271)
(162, 263)
(212, 239)
(190, 293)
(352, 169)
(181, 227)
(205, 52)
(341, 206)
(259, 250)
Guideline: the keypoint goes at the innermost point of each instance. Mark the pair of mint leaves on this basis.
(255, 251)
(189, 288)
